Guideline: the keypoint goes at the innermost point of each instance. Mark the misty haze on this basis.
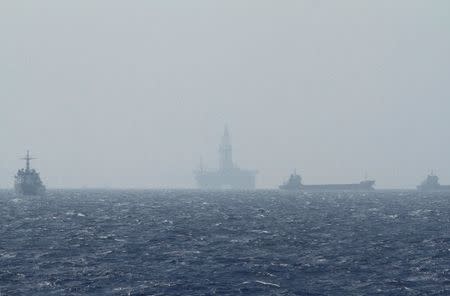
(252, 147)
(115, 94)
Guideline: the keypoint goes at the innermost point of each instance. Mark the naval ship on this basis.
(28, 181)
(431, 183)
(295, 184)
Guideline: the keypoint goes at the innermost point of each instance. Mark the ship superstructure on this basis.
(27, 181)
(431, 183)
(295, 184)
(228, 176)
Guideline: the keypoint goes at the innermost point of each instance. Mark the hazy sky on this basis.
(133, 93)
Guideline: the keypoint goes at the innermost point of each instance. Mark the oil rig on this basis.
(228, 176)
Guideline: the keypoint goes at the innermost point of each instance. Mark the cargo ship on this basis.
(28, 181)
(294, 183)
(431, 183)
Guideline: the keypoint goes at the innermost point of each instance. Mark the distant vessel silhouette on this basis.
(27, 181)
(228, 176)
(431, 183)
(294, 183)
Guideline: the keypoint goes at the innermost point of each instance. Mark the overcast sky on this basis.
(133, 93)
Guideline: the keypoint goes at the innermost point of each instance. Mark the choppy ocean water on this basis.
(224, 243)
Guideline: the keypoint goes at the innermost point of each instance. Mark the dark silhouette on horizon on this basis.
(228, 176)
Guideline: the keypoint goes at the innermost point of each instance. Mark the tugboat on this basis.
(431, 183)
(28, 181)
(295, 184)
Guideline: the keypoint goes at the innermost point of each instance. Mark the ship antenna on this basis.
(27, 158)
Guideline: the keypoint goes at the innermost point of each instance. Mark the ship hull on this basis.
(363, 186)
(29, 189)
(338, 187)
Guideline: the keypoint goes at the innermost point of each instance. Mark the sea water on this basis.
(187, 242)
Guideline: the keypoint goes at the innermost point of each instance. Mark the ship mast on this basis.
(27, 158)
